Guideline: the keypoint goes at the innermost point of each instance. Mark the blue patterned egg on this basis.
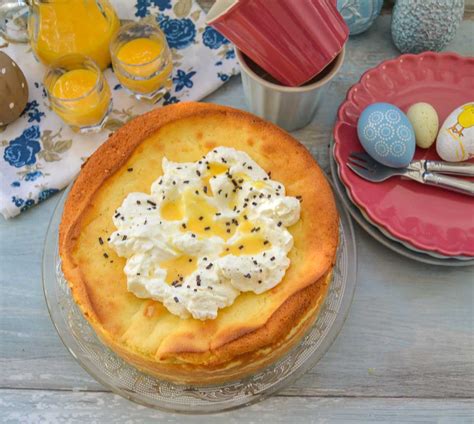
(387, 135)
(359, 14)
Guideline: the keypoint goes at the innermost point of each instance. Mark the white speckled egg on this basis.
(387, 135)
(13, 90)
(425, 122)
(455, 141)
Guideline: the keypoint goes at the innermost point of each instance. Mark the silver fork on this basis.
(366, 167)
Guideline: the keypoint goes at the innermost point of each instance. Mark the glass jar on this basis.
(60, 27)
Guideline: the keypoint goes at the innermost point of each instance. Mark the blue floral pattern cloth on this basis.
(40, 155)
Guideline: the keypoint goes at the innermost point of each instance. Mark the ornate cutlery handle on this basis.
(450, 183)
(450, 168)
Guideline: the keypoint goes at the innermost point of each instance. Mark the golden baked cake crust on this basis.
(256, 329)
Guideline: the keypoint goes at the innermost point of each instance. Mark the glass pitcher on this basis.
(60, 27)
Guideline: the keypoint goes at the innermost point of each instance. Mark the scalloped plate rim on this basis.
(340, 121)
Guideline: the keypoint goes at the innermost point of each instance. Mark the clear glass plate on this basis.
(120, 377)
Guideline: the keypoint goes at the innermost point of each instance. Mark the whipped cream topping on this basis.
(207, 231)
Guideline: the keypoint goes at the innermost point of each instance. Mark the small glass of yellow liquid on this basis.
(79, 93)
(142, 60)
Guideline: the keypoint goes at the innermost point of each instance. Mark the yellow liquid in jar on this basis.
(140, 59)
(57, 28)
(78, 101)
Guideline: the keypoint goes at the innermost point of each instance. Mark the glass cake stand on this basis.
(124, 379)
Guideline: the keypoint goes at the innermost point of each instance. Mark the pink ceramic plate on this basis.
(427, 217)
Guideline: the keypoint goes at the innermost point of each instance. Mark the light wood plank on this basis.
(53, 407)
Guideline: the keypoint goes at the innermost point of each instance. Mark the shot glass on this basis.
(142, 60)
(78, 93)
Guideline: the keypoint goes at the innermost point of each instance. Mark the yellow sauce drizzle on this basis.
(178, 268)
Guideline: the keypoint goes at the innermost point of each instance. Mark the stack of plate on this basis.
(422, 222)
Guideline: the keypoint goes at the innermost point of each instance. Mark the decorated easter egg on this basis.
(387, 135)
(455, 141)
(359, 15)
(424, 119)
(13, 90)
(418, 26)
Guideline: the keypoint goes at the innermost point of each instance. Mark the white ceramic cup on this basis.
(288, 107)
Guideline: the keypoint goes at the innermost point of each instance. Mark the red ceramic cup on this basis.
(292, 40)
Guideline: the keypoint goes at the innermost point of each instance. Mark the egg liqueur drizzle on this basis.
(204, 220)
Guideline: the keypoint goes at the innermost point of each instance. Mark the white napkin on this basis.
(40, 155)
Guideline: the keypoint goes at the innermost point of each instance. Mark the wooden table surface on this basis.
(405, 353)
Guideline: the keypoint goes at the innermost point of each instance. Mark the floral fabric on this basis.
(39, 155)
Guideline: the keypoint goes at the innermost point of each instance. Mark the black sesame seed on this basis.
(190, 260)
(228, 230)
(255, 262)
(186, 182)
(195, 290)
(223, 160)
(279, 224)
(183, 225)
(249, 167)
(247, 276)
(241, 247)
(209, 266)
(219, 192)
(130, 169)
(197, 192)
(207, 228)
(254, 203)
(101, 241)
(176, 299)
(124, 238)
(218, 214)
(105, 255)
(209, 287)
(246, 217)
(272, 258)
(151, 203)
(259, 281)
(205, 189)
(138, 202)
(198, 173)
(201, 218)
(193, 235)
(138, 273)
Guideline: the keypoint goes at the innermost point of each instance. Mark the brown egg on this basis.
(13, 90)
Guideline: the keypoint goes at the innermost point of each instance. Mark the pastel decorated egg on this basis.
(387, 135)
(13, 90)
(424, 119)
(455, 141)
